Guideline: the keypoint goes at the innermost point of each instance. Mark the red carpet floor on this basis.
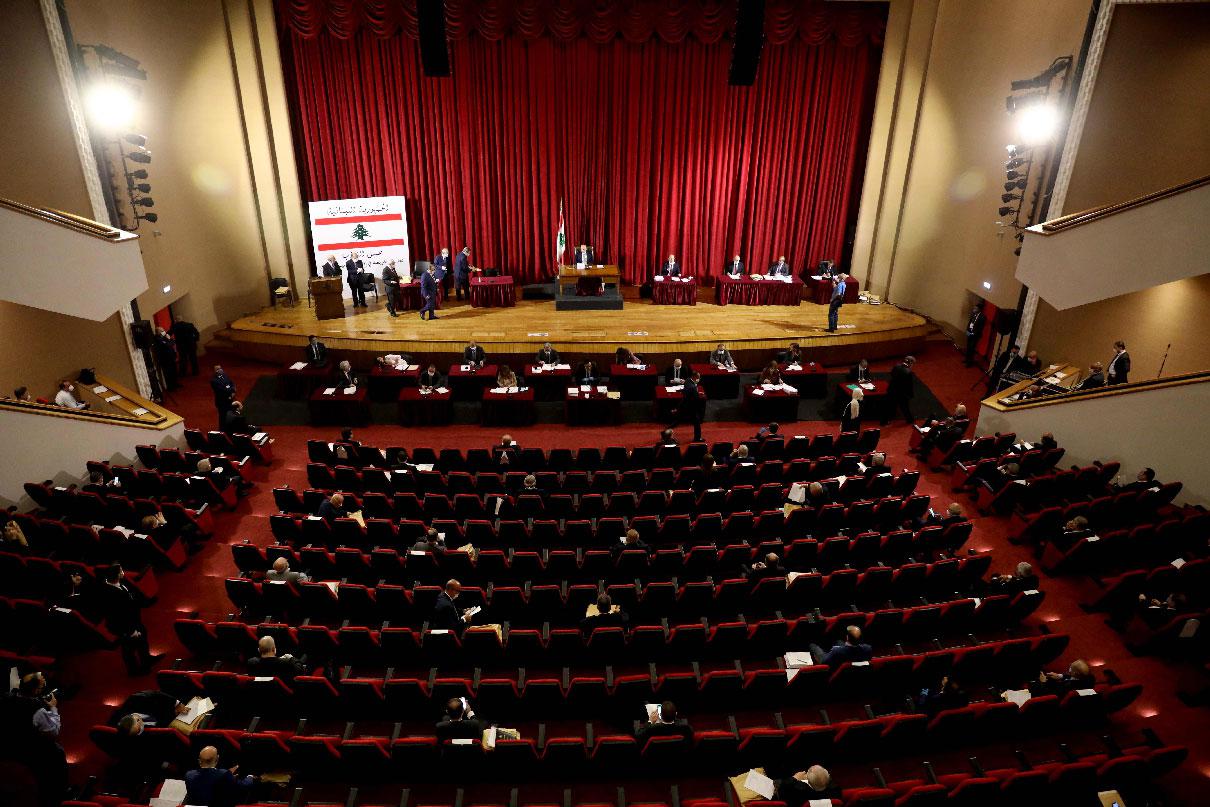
(200, 587)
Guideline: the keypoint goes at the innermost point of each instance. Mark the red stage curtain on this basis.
(648, 147)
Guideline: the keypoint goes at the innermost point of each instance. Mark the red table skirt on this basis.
(493, 292)
(758, 292)
(674, 292)
(821, 290)
(409, 296)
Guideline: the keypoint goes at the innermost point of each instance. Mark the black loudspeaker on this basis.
(141, 333)
(1006, 320)
(749, 39)
(434, 49)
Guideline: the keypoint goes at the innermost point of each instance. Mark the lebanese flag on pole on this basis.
(561, 240)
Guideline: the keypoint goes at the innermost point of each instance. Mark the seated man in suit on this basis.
(208, 785)
(1143, 480)
(817, 495)
(332, 507)
(1078, 676)
(431, 541)
(667, 438)
(506, 452)
(877, 466)
(734, 268)
(529, 486)
(676, 374)
(815, 783)
(460, 722)
(266, 662)
(1030, 365)
(1047, 441)
(430, 378)
(281, 572)
(473, 355)
(630, 541)
(235, 422)
(998, 477)
(771, 374)
(344, 376)
(663, 722)
(721, 357)
(738, 455)
(851, 649)
(769, 566)
(149, 708)
(791, 355)
(860, 372)
(770, 432)
(589, 373)
(547, 355)
(1073, 531)
(331, 267)
(670, 268)
(1094, 379)
(1022, 579)
(223, 475)
(583, 254)
(952, 515)
(608, 615)
(446, 614)
(317, 352)
(780, 268)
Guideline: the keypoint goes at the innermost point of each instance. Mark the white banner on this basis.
(376, 229)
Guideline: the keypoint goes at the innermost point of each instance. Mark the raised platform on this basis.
(659, 332)
(609, 300)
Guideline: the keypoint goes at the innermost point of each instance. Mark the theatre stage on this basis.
(658, 332)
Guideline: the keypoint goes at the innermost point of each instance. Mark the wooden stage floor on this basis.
(751, 332)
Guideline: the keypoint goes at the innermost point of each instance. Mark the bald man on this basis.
(266, 662)
(331, 268)
(208, 785)
(281, 573)
(805, 786)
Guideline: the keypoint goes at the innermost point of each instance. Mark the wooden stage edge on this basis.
(752, 333)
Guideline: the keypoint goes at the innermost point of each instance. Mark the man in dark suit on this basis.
(462, 273)
(859, 373)
(671, 268)
(780, 268)
(1006, 360)
(630, 541)
(768, 566)
(460, 722)
(583, 254)
(428, 293)
(1078, 676)
(186, 335)
(1095, 378)
(734, 267)
(122, 606)
(446, 614)
(331, 267)
(791, 355)
(390, 282)
(268, 663)
(974, 329)
(1143, 480)
(208, 785)
(676, 374)
(1119, 365)
(547, 355)
(224, 392)
(441, 263)
(317, 352)
(473, 355)
(1022, 579)
(1029, 364)
(605, 617)
(430, 378)
(804, 787)
(344, 376)
(663, 722)
(332, 508)
(851, 649)
(900, 390)
(353, 269)
(691, 406)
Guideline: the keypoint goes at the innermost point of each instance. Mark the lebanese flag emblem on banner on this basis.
(376, 228)
(336, 233)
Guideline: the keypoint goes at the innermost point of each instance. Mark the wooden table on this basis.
(294, 384)
(593, 408)
(668, 399)
(493, 292)
(718, 382)
(746, 291)
(549, 382)
(508, 408)
(819, 290)
(635, 384)
(670, 291)
(468, 385)
(874, 403)
(385, 383)
(425, 408)
(770, 405)
(571, 277)
(810, 378)
(339, 408)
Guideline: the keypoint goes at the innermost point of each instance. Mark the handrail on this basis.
(998, 403)
(1085, 216)
(153, 416)
(71, 221)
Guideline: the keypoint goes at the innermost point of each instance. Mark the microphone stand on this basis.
(1164, 360)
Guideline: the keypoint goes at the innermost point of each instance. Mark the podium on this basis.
(328, 294)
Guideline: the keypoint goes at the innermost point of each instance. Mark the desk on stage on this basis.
(513, 407)
(417, 408)
(765, 405)
(339, 408)
(668, 399)
(819, 290)
(592, 408)
(748, 291)
(718, 382)
(581, 289)
(673, 291)
(385, 383)
(468, 385)
(410, 299)
(810, 379)
(549, 381)
(636, 383)
(296, 382)
(493, 292)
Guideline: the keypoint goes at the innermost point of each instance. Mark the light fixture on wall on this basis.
(111, 105)
(1037, 123)
(167, 289)
(987, 285)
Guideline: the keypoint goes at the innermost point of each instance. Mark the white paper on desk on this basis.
(677, 388)
(197, 708)
(442, 390)
(298, 365)
(537, 369)
(259, 436)
(139, 411)
(330, 391)
(112, 398)
(791, 575)
(1017, 696)
(819, 803)
(795, 366)
(562, 366)
(602, 389)
(100, 390)
(866, 385)
(425, 391)
(790, 389)
(173, 791)
(350, 390)
(573, 390)
(799, 659)
(659, 278)
(817, 277)
(1085, 692)
(465, 368)
(499, 390)
(758, 391)
(840, 479)
(586, 388)
(581, 265)
(760, 784)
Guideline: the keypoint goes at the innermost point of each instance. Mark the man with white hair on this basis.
(671, 268)
(344, 376)
(282, 573)
(805, 787)
(331, 268)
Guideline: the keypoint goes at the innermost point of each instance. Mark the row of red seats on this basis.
(1190, 578)
(1062, 488)
(565, 603)
(31, 627)
(230, 445)
(38, 578)
(70, 506)
(1034, 462)
(1120, 510)
(646, 639)
(1113, 550)
(85, 543)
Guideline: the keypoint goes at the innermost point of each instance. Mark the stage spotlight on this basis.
(152, 217)
(1037, 123)
(111, 106)
(1020, 184)
(1004, 211)
(144, 201)
(140, 156)
(136, 140)
(1009, 197)
(1015, 162)
(138, 173)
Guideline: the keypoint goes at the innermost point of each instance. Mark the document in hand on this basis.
(351, 390)
(197, 708)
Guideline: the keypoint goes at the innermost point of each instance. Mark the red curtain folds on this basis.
(648, 147)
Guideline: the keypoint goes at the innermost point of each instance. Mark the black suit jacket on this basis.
(122, 607)
(432, 379)
(317, 353)
(331, 270)
(461, 267)
(545, 356)
(470, 728)
(575, 257)
(1093, 381)
(352, 270)
(328, 511)
(670, 269)
(1121, 367)
(473, 355)
(690, 400)
(648, 730)
(160, 707)
(785, 269)
(901, 385)
(446, 615)
(684, 375)
(796, 793)
(729, 268)
(344, 379)
(283, 668)
(223, 387)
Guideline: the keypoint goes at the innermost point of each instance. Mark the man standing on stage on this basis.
(428, 292)
(390, 279)
(462, 273)
(353, 269)
(331, 268)
(838, 289)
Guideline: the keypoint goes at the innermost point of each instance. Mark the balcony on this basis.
(66, 263)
